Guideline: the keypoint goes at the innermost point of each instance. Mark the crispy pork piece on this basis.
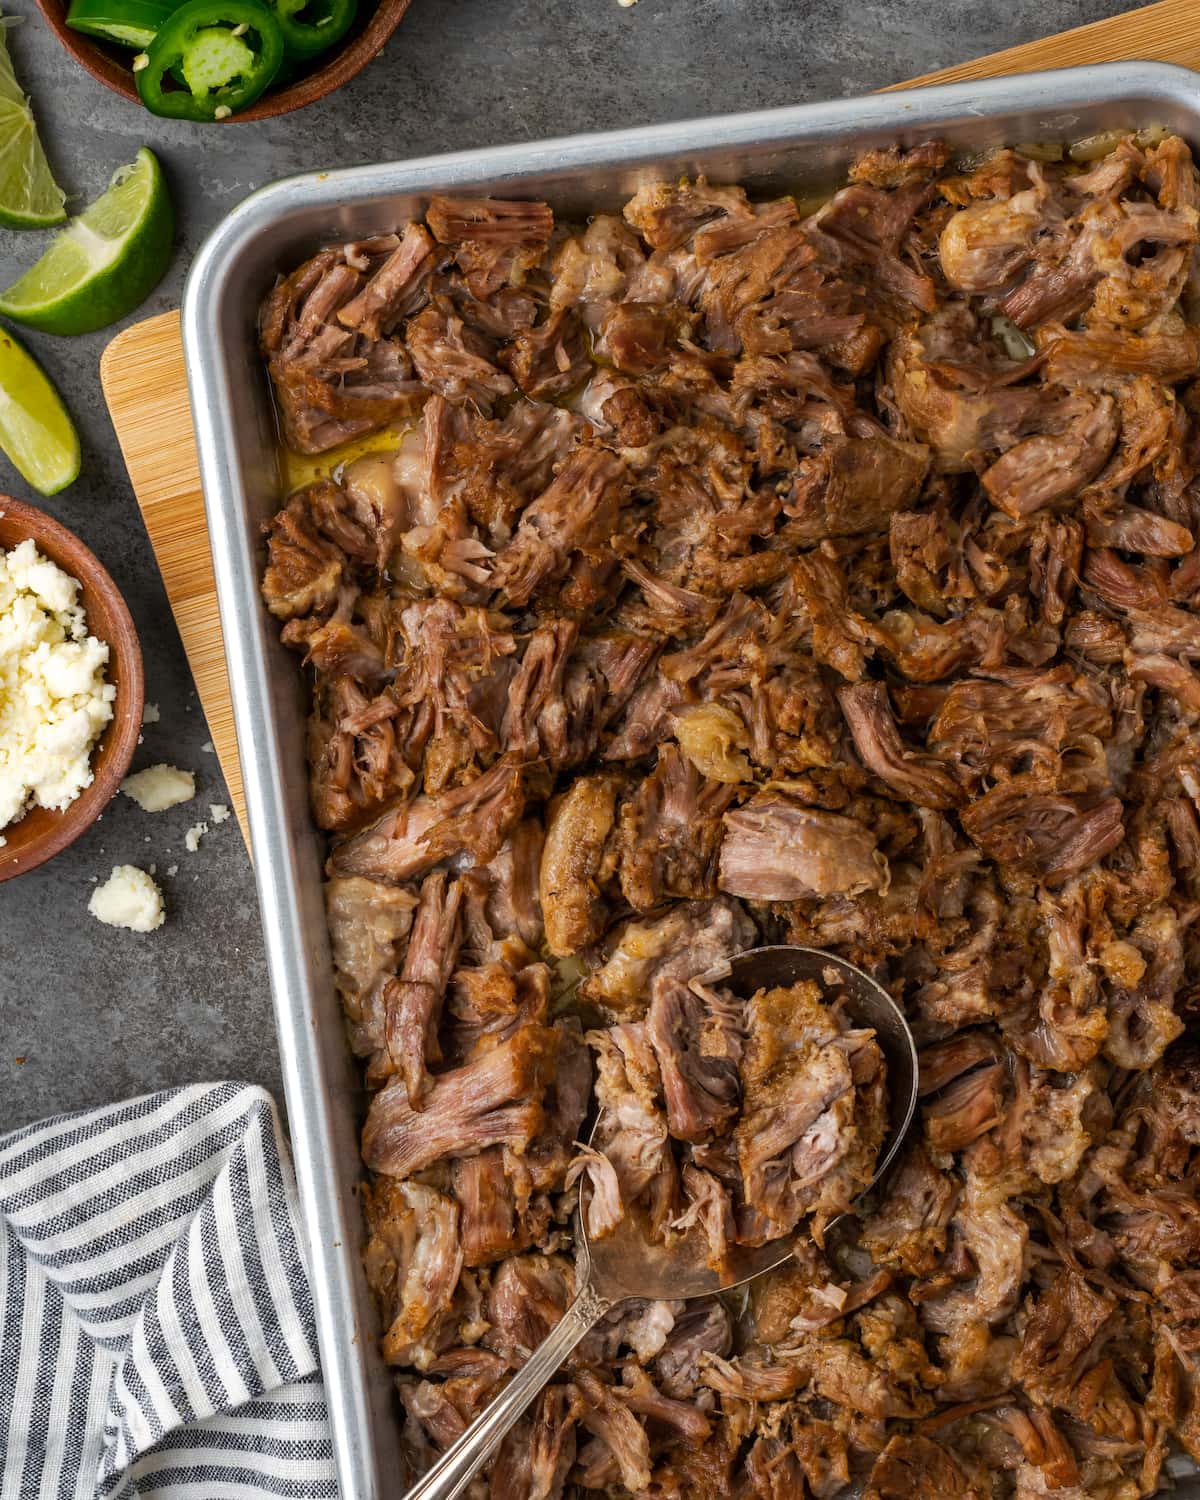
(412, 1260)
(982, 723)
(632, 1132)
(534, 1459)
(1018, 825)
(495, 240)
(512, 875)
(305, 570)
(573, 864)
(390, 290)
(689, 939)
(549, 360)
(703, 1327)
(454, 360)
(853, 486)
(1094, 356)
(916, 1468)
(490, 1227)
(1040, 470)
(528, 1295)
(777, 849)
(535, 718)
(668, 214)
(813, 1116)
(951, 390)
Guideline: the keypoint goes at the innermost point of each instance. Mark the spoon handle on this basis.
(456, 1468)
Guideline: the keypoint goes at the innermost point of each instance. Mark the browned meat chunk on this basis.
(689, 939)
(495, 240)
(527, 1297)
(1040, 470)
(367, 925)
(489, 1224)
(495, 1100)
(918, 778)
(915, 1468)
(633, 1130)
(453, 360)
(698, 1039)
(573, 861)
(603, 1413)
(419, 834)
(1056, 836)
(385, 295)
(412, 1260)
(670, 831)
(550, 360)
(667, 215)
(852, 486)
(332, 382)
(578, 512)
(812, 1122)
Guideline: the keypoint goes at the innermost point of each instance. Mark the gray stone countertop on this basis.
(89, 1014)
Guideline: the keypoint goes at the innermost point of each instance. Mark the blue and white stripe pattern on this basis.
(156, 1324)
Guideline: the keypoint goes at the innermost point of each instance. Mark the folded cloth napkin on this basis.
(156, 1324)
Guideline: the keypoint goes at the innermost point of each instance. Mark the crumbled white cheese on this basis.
(208, 747)
(191, 839)
(54, 700)
(219, 811)
(159, 787)
(128, 898)
(172, 869)
(150, 714)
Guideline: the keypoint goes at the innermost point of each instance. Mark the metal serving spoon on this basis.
(624, 1264)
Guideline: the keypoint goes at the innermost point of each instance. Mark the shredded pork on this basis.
(732, 575)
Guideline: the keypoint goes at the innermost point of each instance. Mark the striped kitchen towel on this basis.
(156, 1326)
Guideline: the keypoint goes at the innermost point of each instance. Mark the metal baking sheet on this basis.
(801, 149)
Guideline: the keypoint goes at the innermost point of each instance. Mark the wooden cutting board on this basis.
(144, 384)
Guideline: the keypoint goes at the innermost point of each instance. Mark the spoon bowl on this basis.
(626, 1264)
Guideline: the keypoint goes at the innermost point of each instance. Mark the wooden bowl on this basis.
(363, 43)
(40, 834)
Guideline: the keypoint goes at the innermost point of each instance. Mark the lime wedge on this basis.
(36, 432)
(105, 262)
(29, 196)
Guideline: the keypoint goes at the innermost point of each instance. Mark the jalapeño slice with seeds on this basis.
(226, 52)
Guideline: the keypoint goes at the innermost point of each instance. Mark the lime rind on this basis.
(29, 196)
(105, 262)
(36, 431)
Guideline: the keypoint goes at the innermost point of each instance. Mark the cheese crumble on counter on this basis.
(159, 787)
(128, 898)
(54, 701)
